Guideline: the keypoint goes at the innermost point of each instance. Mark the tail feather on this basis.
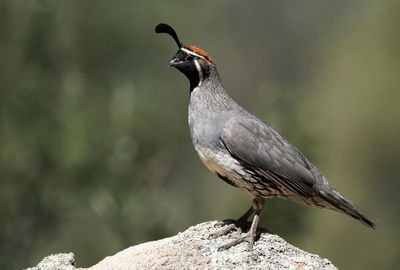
(341, 204)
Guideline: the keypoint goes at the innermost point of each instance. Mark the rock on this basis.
(192, 249)
(62, 261)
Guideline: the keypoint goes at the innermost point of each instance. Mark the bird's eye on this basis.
(189, 58)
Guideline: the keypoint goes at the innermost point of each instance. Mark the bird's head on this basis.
(190, 60)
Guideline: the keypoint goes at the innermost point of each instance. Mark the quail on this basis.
(246, 152)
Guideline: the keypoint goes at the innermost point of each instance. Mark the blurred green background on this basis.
(95, 149)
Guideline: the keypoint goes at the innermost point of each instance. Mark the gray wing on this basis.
(263, 150)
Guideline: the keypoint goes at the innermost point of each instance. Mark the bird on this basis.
(245, 151)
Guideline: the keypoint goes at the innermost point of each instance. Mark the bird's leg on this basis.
(258, 205)
(232, 224)
(242, 220)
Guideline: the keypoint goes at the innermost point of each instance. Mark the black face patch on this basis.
(194, 67)
(181, 55)
(187, 66)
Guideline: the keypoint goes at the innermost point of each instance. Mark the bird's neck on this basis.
(210, 94)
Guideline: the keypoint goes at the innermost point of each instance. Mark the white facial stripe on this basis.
(193, 53)
(199, 70)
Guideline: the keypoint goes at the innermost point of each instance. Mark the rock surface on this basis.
(62, 261)
(192, 249)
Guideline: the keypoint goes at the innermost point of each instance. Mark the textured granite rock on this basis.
(192, 249)
(62, 261)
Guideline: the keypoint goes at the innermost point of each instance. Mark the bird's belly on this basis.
(220, 162)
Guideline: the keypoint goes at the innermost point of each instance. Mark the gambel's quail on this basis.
(246, 152)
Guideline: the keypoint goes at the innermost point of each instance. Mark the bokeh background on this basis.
(95, 151)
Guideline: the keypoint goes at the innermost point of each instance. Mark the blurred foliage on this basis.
(95, 150)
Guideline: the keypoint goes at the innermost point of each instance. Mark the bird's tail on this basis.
(341, 204)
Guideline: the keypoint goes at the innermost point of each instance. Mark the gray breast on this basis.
(222, 163)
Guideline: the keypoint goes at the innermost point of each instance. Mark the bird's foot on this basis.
(248, 237)
(241, 225)
(229, 225)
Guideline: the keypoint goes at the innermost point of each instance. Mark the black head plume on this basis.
(165, 28)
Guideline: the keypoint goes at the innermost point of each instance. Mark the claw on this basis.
(231, 225)
(246, 238)
(223, 231)
(241, 224)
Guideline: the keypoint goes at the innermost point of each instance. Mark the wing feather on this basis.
(263, 150)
